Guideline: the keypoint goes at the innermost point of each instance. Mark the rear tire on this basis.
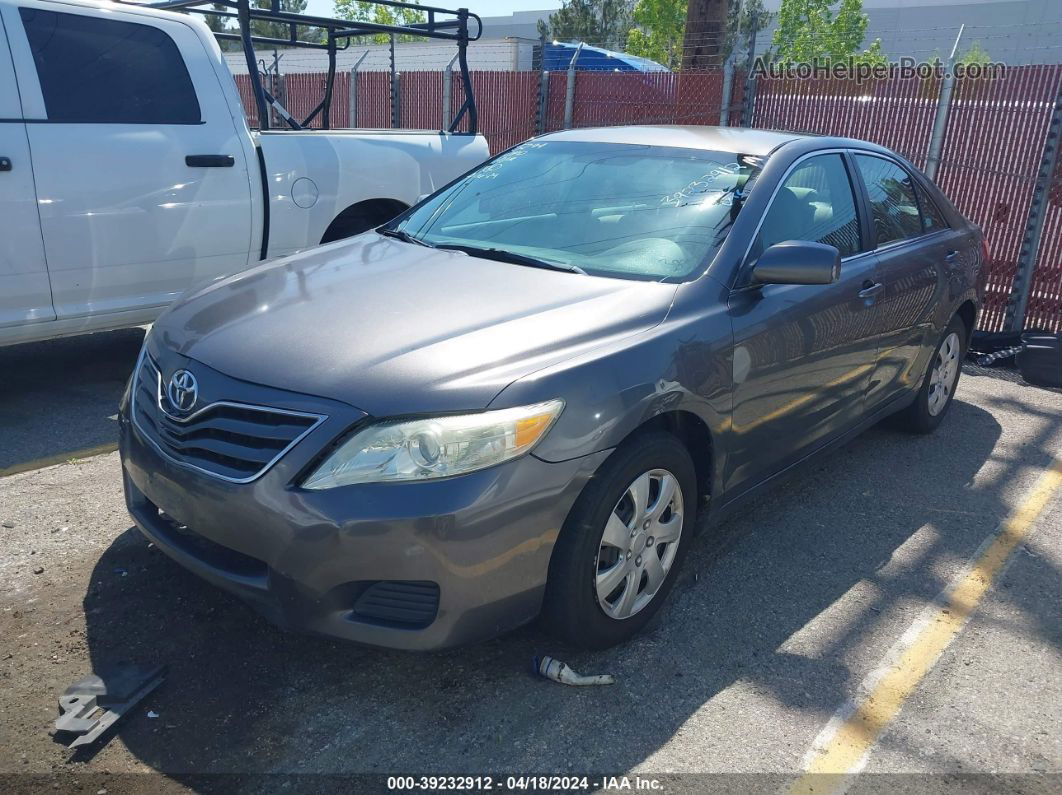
(616, 560)
(938, 386)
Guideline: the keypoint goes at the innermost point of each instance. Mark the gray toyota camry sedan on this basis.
(515, 399)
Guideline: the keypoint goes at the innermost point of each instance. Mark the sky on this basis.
(485, 8)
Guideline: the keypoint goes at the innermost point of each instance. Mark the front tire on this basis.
(622, 544)
(938, 387)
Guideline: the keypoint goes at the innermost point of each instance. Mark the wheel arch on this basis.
(362, 216)
(695, 436)
(967, 312)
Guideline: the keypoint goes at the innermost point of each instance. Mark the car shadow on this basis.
(245, 698)
(60, 396)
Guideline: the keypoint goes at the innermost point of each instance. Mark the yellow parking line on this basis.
(842, 748)
(59, 458)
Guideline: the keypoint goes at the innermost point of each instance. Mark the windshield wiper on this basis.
(501, 255)
(404, 236)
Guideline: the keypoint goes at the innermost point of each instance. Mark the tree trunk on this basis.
(702, 47)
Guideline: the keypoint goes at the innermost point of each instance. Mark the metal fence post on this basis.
(396, 111)
(542, 106)
(748, 106)
(1034, 226)
(448, 93)
(354, 90)
(543, 103)
(940, 122)
(569, 93)
(728, 92)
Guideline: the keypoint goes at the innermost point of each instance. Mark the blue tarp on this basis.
(558, 55)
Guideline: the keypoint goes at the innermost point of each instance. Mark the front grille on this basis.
(408, 604)
(233, 441)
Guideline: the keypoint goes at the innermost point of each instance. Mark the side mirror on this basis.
(798, 262)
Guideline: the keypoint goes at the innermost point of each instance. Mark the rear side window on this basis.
(103, 71)
(816, 204)
(893, 205)
(932, 218)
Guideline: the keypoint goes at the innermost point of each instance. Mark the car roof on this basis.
(721, 139)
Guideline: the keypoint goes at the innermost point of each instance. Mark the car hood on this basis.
(396, 328)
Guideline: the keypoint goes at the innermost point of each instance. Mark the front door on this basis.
(122, 108)
(25, 295)
(803, 354)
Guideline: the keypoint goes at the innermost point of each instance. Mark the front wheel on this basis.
(621, 546)
(938, 387)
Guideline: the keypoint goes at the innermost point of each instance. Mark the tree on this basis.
(659, 29)
(660, 26)
(703, 44)
(745, 18)
(360, 11)
(280, 30)
(812, 30)
(604, 23)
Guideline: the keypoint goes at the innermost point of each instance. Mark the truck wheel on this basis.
(622, 544)
(938, 387)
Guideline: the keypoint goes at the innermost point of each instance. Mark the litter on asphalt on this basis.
(90, 706)
(560, 672)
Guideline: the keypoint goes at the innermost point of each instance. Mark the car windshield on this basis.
(607, 209)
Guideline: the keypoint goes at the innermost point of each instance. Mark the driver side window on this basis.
(815, 203)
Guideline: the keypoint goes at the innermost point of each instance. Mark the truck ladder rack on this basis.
(442, 23)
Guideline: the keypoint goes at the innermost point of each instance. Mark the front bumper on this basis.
(304, 558)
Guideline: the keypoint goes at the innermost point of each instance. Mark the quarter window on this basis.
(932, 218)
(815, 203)
(104, 71)
(893, 206)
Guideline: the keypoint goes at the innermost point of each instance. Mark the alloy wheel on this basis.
(945, 373)
(639, 544)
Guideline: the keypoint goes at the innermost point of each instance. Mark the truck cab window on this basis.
(101, 71)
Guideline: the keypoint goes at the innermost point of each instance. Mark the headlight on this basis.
(435, 447)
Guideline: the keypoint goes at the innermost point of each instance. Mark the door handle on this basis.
(871, 290)
(210, 161)
(5, 163)
(950, 256)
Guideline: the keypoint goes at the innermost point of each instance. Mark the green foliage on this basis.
(813, 30)
(359, 11)
(754, 18)
(660, 27)
(273, 30)
(602, 23)
(278, 30)
(974, 54)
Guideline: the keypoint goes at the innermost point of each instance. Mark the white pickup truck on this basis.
(128, 171)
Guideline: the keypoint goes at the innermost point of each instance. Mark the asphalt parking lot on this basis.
(783, 615)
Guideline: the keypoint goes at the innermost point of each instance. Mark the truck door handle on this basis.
(210, 161)
(870, 290)
(5, 163)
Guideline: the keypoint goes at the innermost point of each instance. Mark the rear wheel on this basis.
(938, 387)
(622, 544)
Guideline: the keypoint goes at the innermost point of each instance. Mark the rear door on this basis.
(915, 248)
(25, 295)
(141, 176)
(803, 354)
